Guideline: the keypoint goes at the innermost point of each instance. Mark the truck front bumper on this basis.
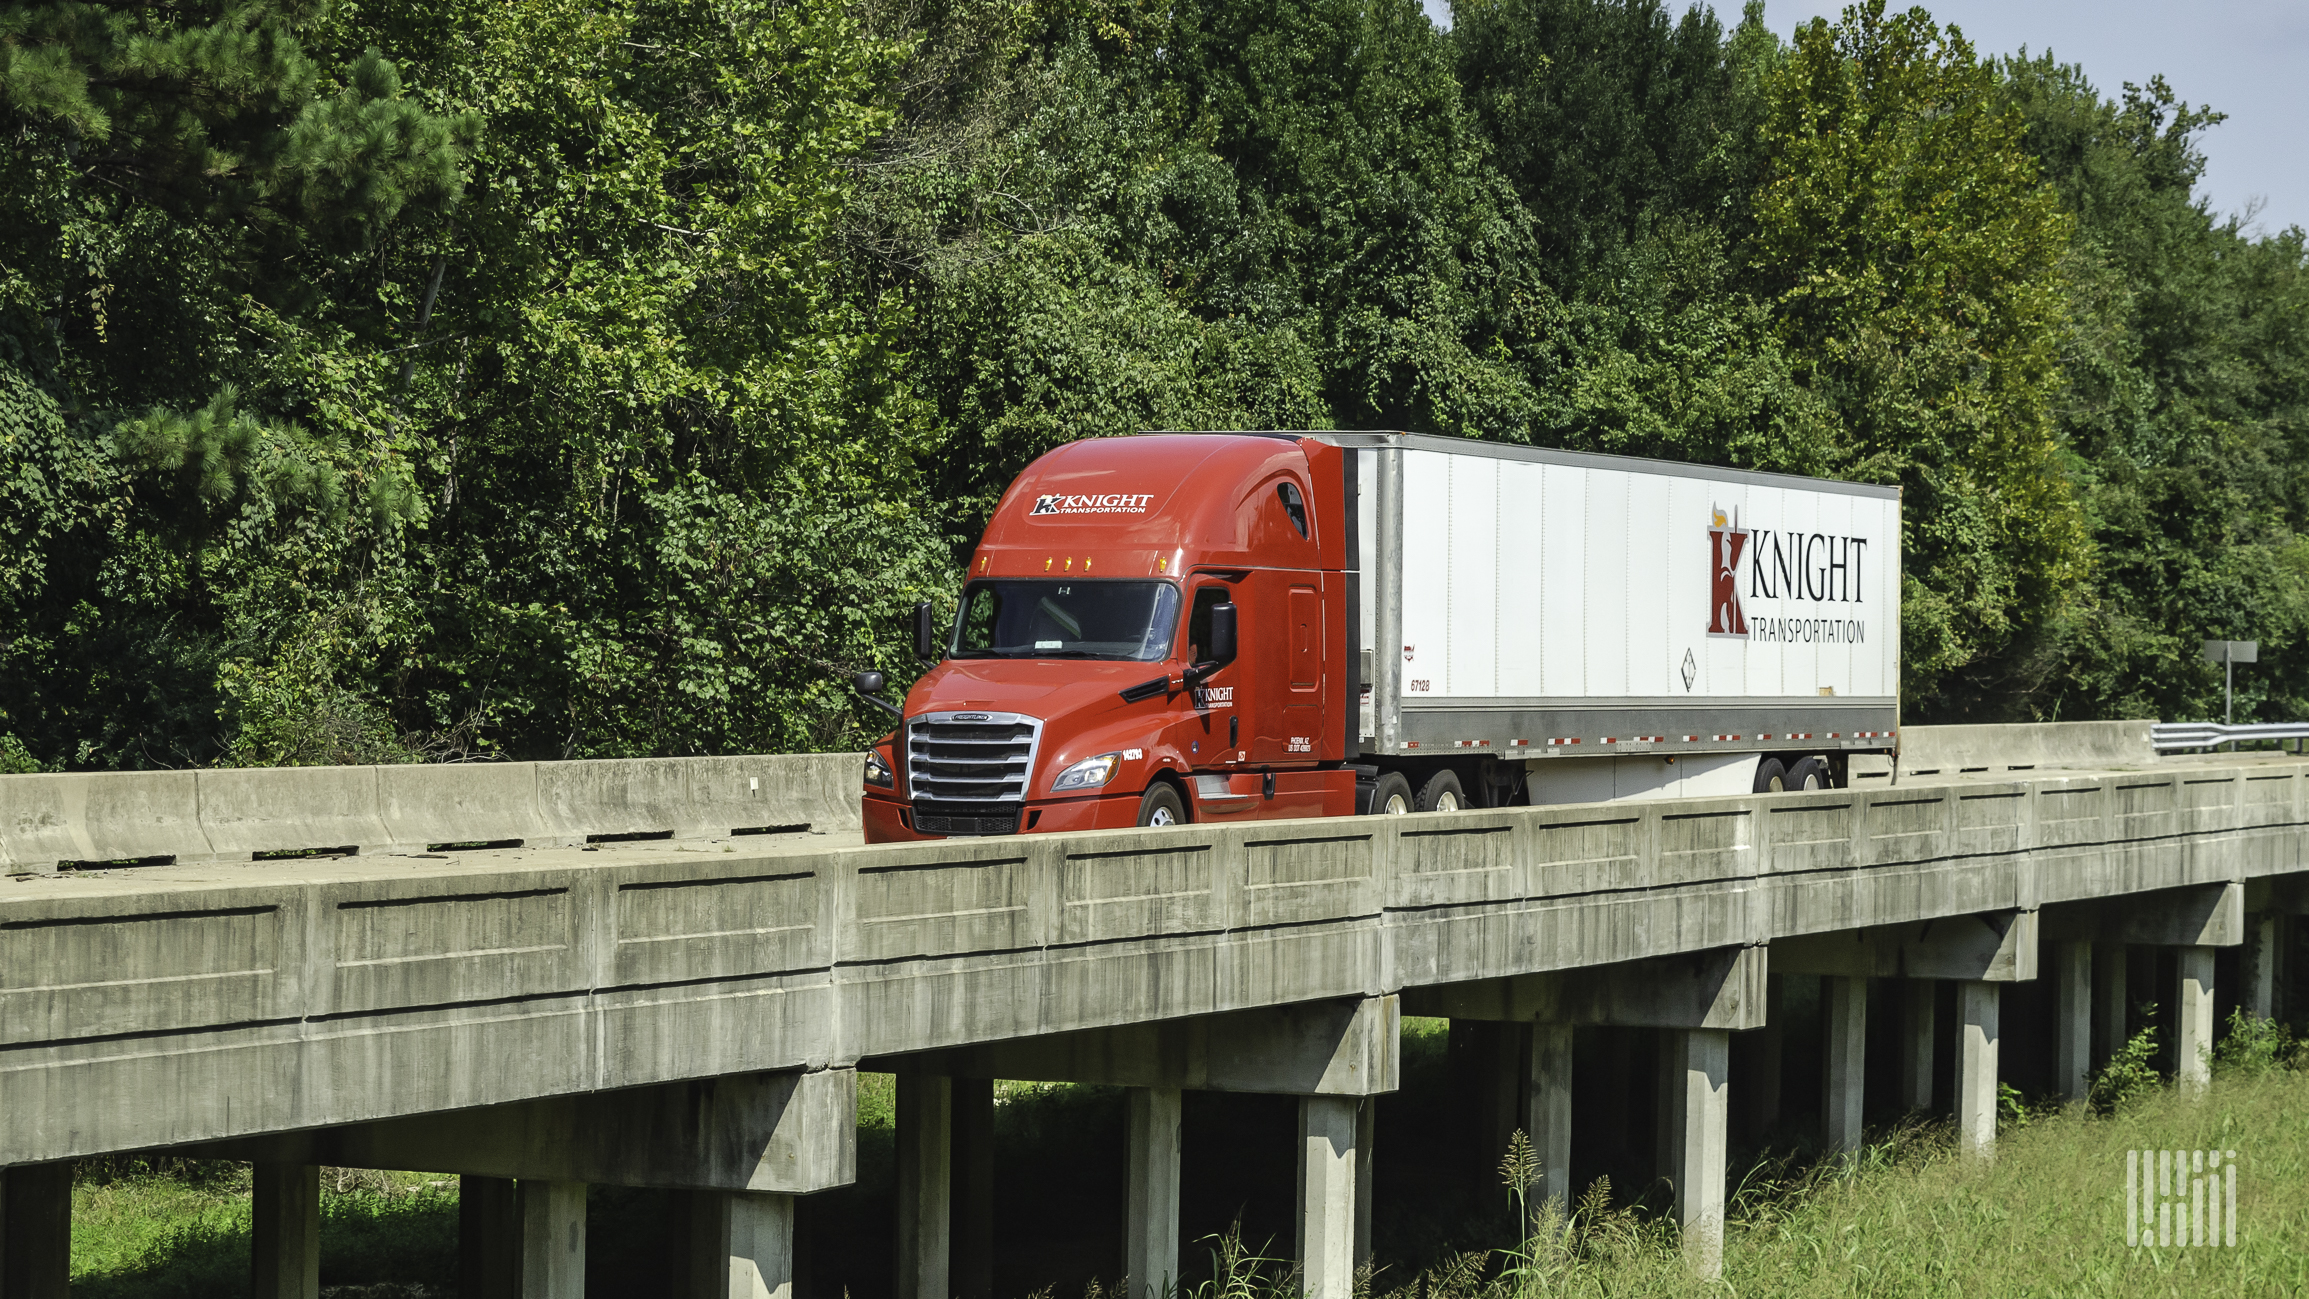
(889, 821)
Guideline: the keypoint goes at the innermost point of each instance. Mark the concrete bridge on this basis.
(666, 974)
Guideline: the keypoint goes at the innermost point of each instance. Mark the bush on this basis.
(2254, 1046)
(2130, 1074)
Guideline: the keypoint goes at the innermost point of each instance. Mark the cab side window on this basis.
(1199, 620)
(1293, 505)
(1278, 514)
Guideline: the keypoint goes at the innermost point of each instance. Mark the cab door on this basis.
(1303, 689)
(1214, 729)
(1280, 697)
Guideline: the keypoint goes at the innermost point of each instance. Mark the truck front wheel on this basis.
(1391, 796)
(1161, 806)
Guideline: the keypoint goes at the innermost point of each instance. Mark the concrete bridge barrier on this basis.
(244, 814)
(2024, 746)
(109, 816)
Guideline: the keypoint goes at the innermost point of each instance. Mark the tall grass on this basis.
(1912, 1217)
(179, 1229)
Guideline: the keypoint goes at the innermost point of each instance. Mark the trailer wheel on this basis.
(1442, 793)
(1391, 795)
(1771, 776)
(1811, 773)
(1161, 806)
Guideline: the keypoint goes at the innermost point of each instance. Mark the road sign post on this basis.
(2229, 653)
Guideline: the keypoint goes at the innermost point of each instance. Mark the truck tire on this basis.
(1391, 796)
(1771, 777)
(1811, 773)
(1161, 806)
(1442, 793)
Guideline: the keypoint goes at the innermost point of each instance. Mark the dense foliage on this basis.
(403, 379)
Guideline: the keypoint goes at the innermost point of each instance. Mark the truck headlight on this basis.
(1089, 773)
(878, 772)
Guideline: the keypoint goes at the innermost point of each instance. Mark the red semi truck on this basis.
(1220, 626)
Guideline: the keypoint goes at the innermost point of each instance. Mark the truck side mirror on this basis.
(1223, 633)
(925, 634)
(869, 686)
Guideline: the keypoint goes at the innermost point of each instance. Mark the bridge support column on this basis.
(1844, 1062)
(1487, 1064)
(1763, 1099)
(1667, 1106)
(973, 1193)
(925, 1184)
(1151, 1231)
(285, 1231)
(1547, 1117)
(1975, 952)
(1366, 1182)
(2072, 1018)
(1918, 1003)
(2195, 919)
(2109, 1000)
(1700, 1117)
(741, 1245)
(1976, 1008)
(36, 1231)
(1327, 1174)
(2258, 967)
(2196, 1006)
(488, 1238)
(552, 1240)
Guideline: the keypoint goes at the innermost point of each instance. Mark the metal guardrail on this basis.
(2205, 735)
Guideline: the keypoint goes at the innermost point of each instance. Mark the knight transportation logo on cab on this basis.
(1112, 503)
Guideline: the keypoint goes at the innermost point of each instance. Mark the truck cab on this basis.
(1153, 630)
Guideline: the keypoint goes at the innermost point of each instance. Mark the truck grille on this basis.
(976, 764)
(937, 820)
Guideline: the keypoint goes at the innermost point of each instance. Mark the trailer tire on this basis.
(1811, 773)
(1442, 793)
(1391, 795)
(1161, 806)
(1771, 777)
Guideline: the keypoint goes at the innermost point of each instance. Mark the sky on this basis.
(2246, 58)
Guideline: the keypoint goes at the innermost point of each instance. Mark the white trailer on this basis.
(1620, 627)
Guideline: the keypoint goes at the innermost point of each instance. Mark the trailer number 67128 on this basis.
(1416, 687)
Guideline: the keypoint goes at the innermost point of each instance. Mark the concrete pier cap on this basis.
(1344, 1047)
(1991, 946)
(2197, 915)
(790, 1133)
(1721, 988)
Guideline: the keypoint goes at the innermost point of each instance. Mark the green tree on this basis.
(1913, 254)
(1196, 216)
(183, 188)
(2186, 410)
(1611, 115)
(672, 463)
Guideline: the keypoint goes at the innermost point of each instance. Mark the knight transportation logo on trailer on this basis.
(1815, 567)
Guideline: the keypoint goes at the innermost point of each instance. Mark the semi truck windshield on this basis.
(1044, 619)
